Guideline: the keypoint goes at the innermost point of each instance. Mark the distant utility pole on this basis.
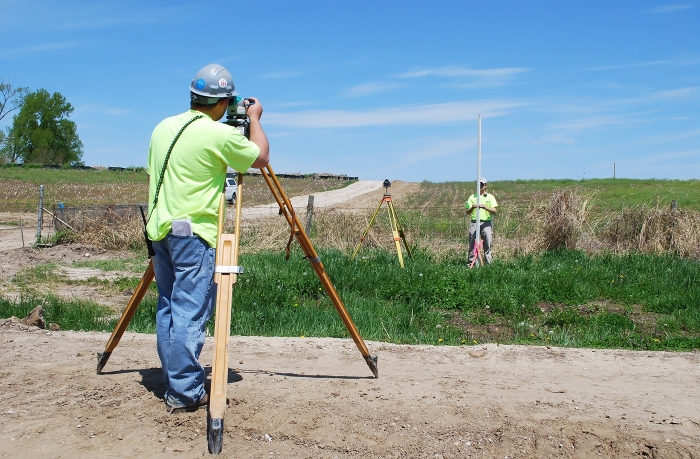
(614, 171)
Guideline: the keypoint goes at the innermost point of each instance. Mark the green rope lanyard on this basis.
(165, 163)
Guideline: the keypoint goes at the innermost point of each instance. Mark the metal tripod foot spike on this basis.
(216, 435)
(102, 358)
(372, 364)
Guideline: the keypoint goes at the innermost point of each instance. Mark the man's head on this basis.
(482, 184)
(210, 84)
(211, 90)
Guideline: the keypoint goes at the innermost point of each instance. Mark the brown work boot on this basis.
(204, 401)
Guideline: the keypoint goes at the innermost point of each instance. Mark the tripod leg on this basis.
(222, 327)
(126, 317)
(312, 256)
(394, 230)
(401, 232)
(364, 235)
(226, 276)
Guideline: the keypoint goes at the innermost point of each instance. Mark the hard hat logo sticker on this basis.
(223, 83)
(200, 84)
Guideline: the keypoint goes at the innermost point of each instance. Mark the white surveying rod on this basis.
(478, 184)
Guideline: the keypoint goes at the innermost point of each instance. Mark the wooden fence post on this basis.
(309, 214)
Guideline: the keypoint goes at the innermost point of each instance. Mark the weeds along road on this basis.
(12, 236)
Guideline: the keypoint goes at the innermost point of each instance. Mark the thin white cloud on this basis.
(39, 48)
(543, 140)
(300, 103)
(601, 121)
(47, 15)
(368, 89)
(438, 149)
(680, 93)
(92, 108)
(650, 100)
(628, 66)
(468, 78)
(668, 137)
(664, 157)
(281, 75)
(670, 8)
(400, 115)
(464, 72)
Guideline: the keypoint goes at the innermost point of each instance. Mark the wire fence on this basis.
(562, 220)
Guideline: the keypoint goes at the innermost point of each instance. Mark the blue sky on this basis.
(385, 89)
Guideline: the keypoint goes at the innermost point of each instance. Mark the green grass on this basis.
(68, 315)
(561, 298)
(134, 264)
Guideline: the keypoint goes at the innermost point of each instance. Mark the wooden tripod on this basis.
(226, 275)
(396, 229)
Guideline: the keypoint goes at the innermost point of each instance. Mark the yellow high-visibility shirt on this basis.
(195, 174)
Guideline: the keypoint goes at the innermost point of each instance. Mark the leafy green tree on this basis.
(42, 133)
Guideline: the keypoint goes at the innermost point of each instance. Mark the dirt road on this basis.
(316, 398)
(324, 199)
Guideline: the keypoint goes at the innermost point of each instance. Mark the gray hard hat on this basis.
(211, 83)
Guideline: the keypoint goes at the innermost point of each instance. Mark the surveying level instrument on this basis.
(236, 115)
(226, 275)
(396, 229)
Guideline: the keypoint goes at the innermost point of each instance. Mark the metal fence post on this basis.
(41, 214)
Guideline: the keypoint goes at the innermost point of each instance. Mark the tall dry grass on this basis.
(567, 218)
(110, 231)
(654, 230)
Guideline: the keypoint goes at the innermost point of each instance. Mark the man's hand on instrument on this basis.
(253, 108)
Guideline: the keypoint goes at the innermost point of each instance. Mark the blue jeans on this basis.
(184, 269)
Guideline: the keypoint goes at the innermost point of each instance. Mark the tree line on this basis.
(40, 131)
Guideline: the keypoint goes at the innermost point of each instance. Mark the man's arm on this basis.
(254, 111)
(491, 210)
(471, 208)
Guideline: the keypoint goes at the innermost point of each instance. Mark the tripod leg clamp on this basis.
(314, 259)
(228, 269)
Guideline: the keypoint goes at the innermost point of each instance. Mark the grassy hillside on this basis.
(610, 195)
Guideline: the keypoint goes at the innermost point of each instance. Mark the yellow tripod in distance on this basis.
(396, 229)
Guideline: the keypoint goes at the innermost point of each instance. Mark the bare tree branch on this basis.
(10, 98)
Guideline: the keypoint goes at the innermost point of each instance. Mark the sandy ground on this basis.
(316, 398)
